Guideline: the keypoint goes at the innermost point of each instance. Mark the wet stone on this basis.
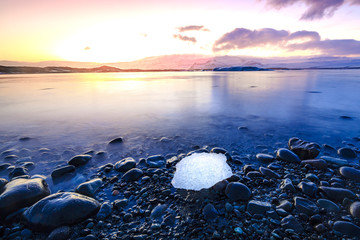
(306, 206)
(305, 150)
(287, 156)
(18, 171)
(237, 191)
(158, 211)
(253, 174)
(346, 152)
(336, 161)
(105, 210)
(317, 163)
(337, 194)
(269, 173)
(116, 141)
(4, 166)
(350, 173)
(347, 228)
(125, 165)
(80, 160)
(355, 209)
(210, 213)
(60, 233)
(89, 188)
(287, 184)
(328, 205)
(286, 205)
(156, 161)
(3, 182)
(308, 188)
(258, 207)
(264, 157)
(132, 175)
(59, 172)
(290, 222)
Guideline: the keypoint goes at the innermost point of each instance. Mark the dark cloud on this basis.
(184, 38)
(241, 38)
(192, 28)
(317, 9)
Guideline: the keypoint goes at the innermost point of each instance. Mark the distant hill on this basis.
(183, 62)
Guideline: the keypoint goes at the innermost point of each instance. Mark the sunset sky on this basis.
(119, 30)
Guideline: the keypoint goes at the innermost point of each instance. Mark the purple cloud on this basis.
(317, 9)
(193, 28)
(241, 38)
(184, 38)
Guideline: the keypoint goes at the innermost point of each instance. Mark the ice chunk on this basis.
(201, 170)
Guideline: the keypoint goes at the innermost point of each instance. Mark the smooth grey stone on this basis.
(306, 206)
(287, 156)
(350, 173)
(264, 157)
(355, 209)
(328, 205)
(158, 211)
(65, 208)
(132, 175)
(269, 173)
(258, 207)
(337, 194)
(237, 191)
(336, 161)
(210, 212)
(89, 188)
(308, 188)
(80, 160)
(290, 222)
(60, 233)
(346, 152)
(59, 172)
(125, 164)
(21, 193)
(116, 141)
(105, 210)
(305, 150)
(287, 184)
(347, 228)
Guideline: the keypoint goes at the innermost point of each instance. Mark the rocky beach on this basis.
(301, 190)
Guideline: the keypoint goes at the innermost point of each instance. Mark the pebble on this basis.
(258, 207)
(269, 173)
(286, 205)
(158, 211)
(80, 160)
(210, 213)
(21, 193)
(346, 152)
(264, 157)
(355, 209)
(337, 194)
(287, 156)
(132, 175)
(350, 173)
(328, 205)
(306, 206)
(3, 182)
(308, 188)
(125, 164)
(237, 191)
(305, 150)
(336, 161)
(287, 184)
(89, 188)
(60, 233)
(116, 141)
(4, 166)
(18, 171)
(347, 228)
(156, 161)
(105, 210)
(317, 163)
(290, 222)
(59, 172)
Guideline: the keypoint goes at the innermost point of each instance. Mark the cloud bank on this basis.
(317, 9)
(192, 28)
(241, 38)
(184, 38)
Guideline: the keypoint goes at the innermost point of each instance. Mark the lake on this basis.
(174, 112)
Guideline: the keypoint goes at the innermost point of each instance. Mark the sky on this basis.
(122, 30)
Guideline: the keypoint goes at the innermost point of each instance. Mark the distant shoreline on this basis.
(107, 69)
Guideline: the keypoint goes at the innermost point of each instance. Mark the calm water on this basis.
(80, 112)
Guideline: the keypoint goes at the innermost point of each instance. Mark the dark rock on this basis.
(269, 173)
(116, 141)
(132, 175)
(60, 209)
(257, 207)
(210, 212)
(328, 205)
(156, 161)
(264, 157)
(337, 194)
(220, 186)
(3, 182)
(89, 188)
(336, 161)
(350, 173)
(355, 209)
(59, 172)
(202, 150)
(287, 184)
(158, 211)
(286, 205)
(18, 171)
(347, 228)
(287, 156)
(125, 164)
(346, 152)
(306, 206)
(237, 191)
(308, 188)
(105, 211)
(221, 151)
(315, 219)
(305, 150)
(21, 193)
(120, 203)
(60, 233)
(253, 174)
(80, 160)
(274, 166)
(11, 158)
(317, 163)
(290, 222)
(312, 177)
(4, 166)
(320, 228)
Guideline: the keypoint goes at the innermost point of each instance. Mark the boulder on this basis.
(237, 191)
(347, 228)
(306, 206)
(350, 173)
(305, 150)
